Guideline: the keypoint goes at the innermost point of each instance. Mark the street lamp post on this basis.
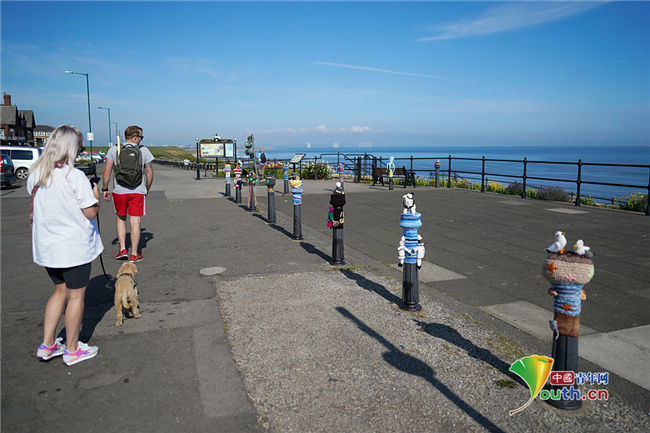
(110, 143)
(116, 133)
(90, 126)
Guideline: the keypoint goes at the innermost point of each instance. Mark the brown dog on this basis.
(126, 292)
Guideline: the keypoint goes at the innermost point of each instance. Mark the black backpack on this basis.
(128, 170)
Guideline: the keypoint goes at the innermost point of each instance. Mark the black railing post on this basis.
(449, 173)
(483, 174)
(411, 163)
(578, 182)
(647, 197)
(374, 170)
(523, 192)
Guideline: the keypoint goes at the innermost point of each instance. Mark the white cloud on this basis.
(192, 65)
(385, 71)
(316, 129)
(509, 17)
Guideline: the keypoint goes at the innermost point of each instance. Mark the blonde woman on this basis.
(64, 239)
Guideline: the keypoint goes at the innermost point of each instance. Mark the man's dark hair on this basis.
(132, 131)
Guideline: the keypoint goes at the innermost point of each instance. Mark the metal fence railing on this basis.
(361, 166)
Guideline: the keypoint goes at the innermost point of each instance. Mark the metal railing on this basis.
(361, 164)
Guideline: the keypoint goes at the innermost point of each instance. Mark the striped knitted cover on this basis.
(296, 195)
(410, 224)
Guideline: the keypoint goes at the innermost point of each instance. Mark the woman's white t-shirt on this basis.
(62, 236)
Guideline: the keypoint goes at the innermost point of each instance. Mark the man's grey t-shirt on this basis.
(147, 157)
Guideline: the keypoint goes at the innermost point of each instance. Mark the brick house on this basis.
(16, 126)
(42, 133)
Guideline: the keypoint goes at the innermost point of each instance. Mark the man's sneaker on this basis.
(83, 352)
(135, 258)
(122, 255)
(46, 353)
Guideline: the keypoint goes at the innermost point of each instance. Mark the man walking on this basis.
(131, 163)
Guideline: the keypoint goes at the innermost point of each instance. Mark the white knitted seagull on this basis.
(581, 249)
(559, 244)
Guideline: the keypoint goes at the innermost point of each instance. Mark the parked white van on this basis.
(23, 157)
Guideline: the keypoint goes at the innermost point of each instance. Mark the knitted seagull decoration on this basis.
(582, 250)
(559, 244)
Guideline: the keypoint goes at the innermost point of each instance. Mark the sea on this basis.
(636, 179)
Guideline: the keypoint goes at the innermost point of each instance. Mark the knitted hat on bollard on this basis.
(568, 273)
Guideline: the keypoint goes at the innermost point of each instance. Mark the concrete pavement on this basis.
(178, 356)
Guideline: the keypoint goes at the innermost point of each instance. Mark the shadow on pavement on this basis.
(449, 334)
(313, 250)
(145, 237)
(99, 299)
(281, 230)
(412, 365)
(371, 286)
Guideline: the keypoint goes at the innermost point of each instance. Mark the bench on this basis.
(378, 174)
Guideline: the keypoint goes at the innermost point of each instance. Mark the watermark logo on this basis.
(534, 370)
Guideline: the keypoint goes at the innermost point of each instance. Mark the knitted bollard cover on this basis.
(337, 217)
(410, 224)
(568, 273)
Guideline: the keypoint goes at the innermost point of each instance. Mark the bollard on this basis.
(437, 166)
(285, 176)
(270, 185)
(341, 175)
(227, 170)
(238, 181)
(391, 170)
(296, 199)
(567, 272)
(252, 198)
(410, 254)
(335, 222)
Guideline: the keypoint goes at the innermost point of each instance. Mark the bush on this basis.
(554, 193)
(635, 202)
(587, 201)
(515, 188)
(322, 170)
(464, 183)
(531, 193)
(493, 186)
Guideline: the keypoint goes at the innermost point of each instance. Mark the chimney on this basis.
(7, 99)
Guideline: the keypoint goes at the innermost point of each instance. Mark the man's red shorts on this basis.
(133, 204)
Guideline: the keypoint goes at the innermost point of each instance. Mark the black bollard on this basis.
(567, 272)
(390, 183)
(410, 287)
(270, 184)
(296, 199)
(565, 358)
(227, 170)
(337, 200)
(238, 187)
(410, 254)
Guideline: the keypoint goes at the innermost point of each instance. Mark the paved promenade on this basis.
(245, 329)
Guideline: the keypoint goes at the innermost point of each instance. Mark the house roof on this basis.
(8, 114)
(28, 115)
(45, 128)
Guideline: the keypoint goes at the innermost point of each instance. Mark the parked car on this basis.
(23, 158)
(7, 173)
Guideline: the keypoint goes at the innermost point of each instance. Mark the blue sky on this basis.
(339, 75)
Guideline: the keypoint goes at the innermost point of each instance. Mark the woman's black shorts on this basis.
(75, 277)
